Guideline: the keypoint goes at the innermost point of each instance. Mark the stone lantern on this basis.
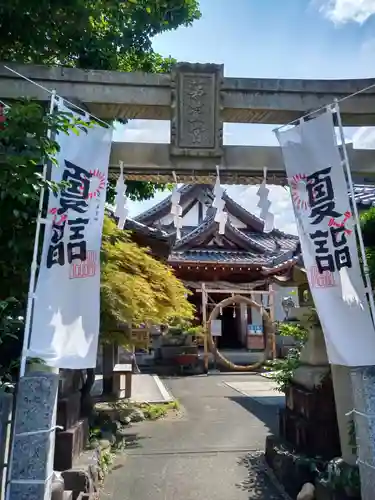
(308, 424)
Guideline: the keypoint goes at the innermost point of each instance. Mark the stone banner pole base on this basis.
(33, 444)
(363, 380)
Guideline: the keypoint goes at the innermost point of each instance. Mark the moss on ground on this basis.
(158, 410)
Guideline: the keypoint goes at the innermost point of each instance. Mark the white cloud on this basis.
(344, 11)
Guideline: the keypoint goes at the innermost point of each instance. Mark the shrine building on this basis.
(242, 260)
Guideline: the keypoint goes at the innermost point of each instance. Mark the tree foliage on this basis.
(367, 220)
(135, 287)
(93, 34)
(90, 34)
(23, 146)
(291, 329)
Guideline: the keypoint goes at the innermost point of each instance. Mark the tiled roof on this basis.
(213, 256)
(254, 242)
(251, 246)
(232, 205)
(164, 203)
(208, 221)
(218, 256)
(191, 190)
(275, 241)
(364, 195)
(133, 225)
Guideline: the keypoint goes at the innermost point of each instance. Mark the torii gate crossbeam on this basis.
(197, 99)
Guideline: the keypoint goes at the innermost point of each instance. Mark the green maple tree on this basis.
(135, 287)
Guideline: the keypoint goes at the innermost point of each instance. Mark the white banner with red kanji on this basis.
(328, 240)
(65, 323)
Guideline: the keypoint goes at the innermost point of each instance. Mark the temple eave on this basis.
(212, 265)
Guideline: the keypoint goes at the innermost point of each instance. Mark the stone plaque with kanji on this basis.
(196, 125)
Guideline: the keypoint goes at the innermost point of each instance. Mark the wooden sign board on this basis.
(216, 327)
(255, 337)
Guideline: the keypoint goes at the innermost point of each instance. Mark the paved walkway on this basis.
(146, 388)
(261, 391)
(150, 389)
(209, 452)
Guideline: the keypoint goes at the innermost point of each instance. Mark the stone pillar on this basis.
(314, 360)
(5, 414)
(110, 358)
(363, 380)
(343, 390)
(309, 420)
(31, 464)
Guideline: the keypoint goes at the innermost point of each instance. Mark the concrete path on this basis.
(210, 451)
(146, 388)
(261, 391)
(149, 388)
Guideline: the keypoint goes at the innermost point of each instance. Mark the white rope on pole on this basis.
(355, 210)
(321, 108)
(34, 263)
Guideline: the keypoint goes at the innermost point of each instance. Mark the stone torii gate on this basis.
(198, 99)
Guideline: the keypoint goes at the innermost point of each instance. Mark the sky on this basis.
(322, 39)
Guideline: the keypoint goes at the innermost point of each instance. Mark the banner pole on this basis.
(34, 263)
(356, 214)
(29, 308)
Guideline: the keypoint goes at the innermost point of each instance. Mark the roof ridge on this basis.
(207, 221)
(155, 208)
(282, 233)
(253, 216)
(158, 233)
(248, 238)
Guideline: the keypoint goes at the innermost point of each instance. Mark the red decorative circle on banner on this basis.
(97, 183)
(299, 192)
